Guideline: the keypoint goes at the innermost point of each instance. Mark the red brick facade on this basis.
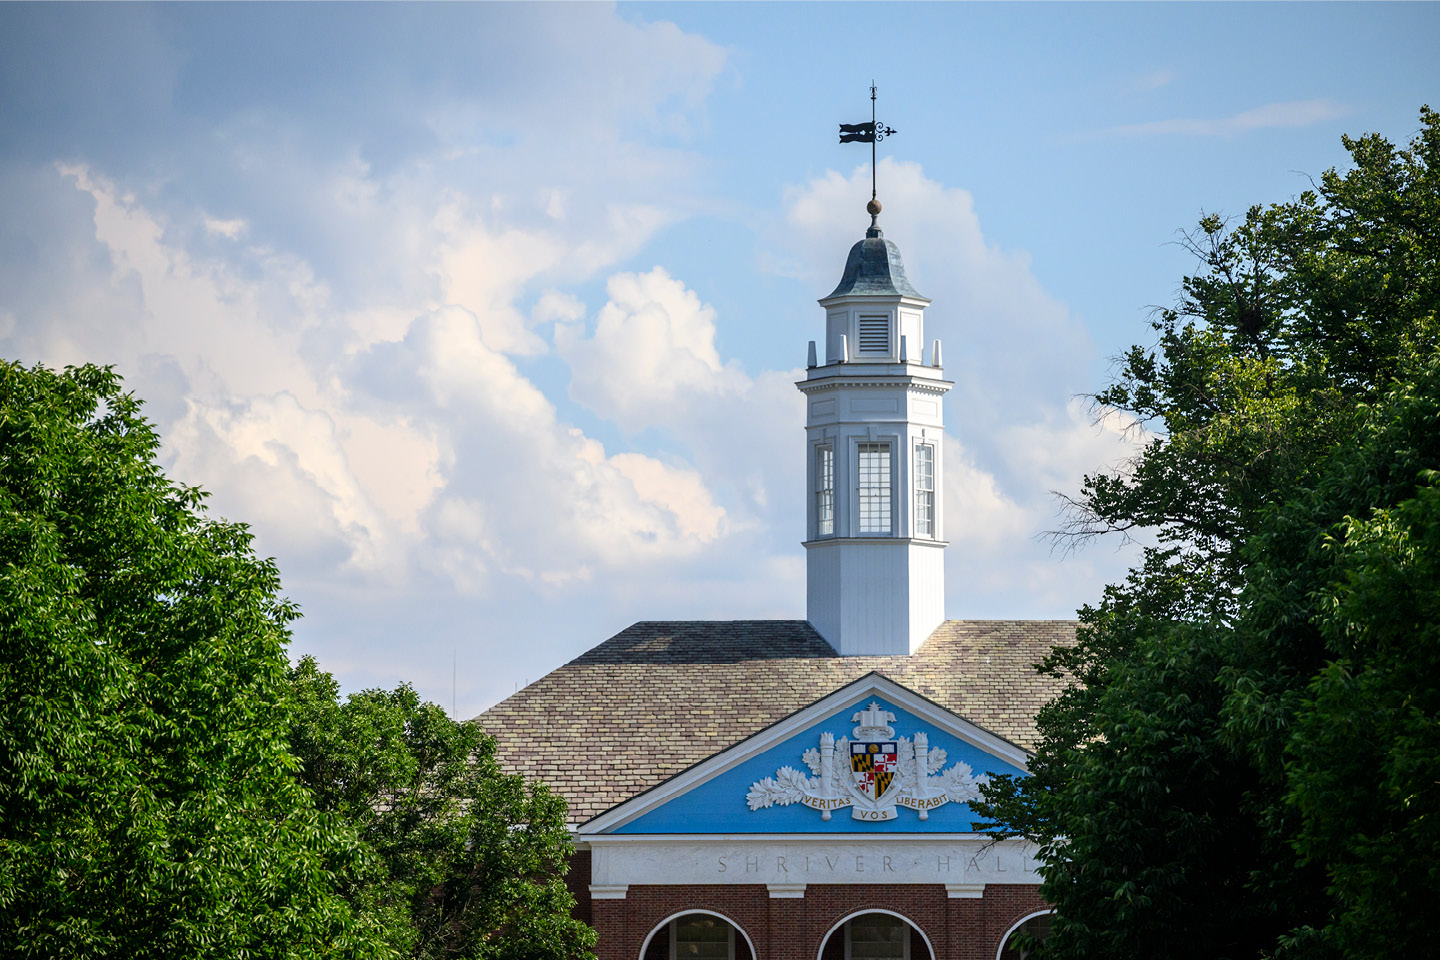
(795, 928)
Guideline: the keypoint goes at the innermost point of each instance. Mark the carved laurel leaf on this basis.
(935, 760)
(786, 787)
(812, 760)
(763, 793)
(961, 784)
(795, 783)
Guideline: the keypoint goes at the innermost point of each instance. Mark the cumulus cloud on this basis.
(338, 296)
(649, 361)
(651, 356)
(347, 464)
(539, 498)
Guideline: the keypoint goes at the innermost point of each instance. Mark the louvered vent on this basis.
(875, 334)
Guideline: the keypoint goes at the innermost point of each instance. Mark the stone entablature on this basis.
(966, 862)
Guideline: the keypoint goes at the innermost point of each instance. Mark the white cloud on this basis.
(1294, 113)
(1058, 451)
(978, 515)
(652, 355)
(230, 229)
(352, 355)
(651, 362)
(556, 305)
(470, 472)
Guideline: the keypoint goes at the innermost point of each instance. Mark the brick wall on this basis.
(577, 880)
(793, 929)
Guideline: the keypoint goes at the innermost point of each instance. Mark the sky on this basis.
(486, 318)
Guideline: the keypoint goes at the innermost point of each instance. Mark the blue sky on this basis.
(486, 317)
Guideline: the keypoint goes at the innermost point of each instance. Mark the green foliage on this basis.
(1246, 763)
(467, 861)
(148, 804)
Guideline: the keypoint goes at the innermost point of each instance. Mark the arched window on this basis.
(875, 935)
(1036, 925)
(697, 935)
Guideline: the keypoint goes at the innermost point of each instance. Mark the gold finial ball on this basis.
(873, 208)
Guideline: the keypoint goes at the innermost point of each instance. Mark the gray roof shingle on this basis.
(689, 689)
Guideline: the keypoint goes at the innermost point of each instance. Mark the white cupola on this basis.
(875, 546)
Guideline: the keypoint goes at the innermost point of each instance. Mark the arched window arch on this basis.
(1036, 924)
(875, 935)
(697, 935)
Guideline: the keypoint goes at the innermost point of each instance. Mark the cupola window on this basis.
(825, 491)
(925, 490)
(873, 461)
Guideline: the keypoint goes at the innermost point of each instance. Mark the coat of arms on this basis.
(883, 772)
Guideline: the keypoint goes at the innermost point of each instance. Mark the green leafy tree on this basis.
(1244, 763)
(467, 861)
(1347, 574)
(148, 803)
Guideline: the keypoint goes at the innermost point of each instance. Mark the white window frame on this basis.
(890, 444)
(1000, 951)
(901, 921)
(822, 490)
(920, 491)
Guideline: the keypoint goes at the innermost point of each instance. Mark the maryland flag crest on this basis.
(874, 765)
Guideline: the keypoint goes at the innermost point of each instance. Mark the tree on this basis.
(1244, 764)
(148, 804)
(467, 861)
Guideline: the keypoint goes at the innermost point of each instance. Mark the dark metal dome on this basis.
(874, 267)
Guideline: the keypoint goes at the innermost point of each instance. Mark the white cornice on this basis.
(919, 384)
(786, 864)
(868, 298)
(813, 839)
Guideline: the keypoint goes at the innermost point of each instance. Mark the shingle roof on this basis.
(661, 696)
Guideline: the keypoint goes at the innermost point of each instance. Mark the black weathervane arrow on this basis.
(871, 133)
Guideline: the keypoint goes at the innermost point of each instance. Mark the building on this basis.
(799, 790)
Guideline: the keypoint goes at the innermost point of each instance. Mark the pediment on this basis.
(872, 756)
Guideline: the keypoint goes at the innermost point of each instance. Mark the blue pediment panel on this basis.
(872, 757)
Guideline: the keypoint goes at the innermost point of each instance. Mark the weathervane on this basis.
(871, 133)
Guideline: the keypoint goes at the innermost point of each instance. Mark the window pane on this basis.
(1037, 927)
(825, 491)
(699, 937)
(925, 490)
(874, 487)
(877, 936)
